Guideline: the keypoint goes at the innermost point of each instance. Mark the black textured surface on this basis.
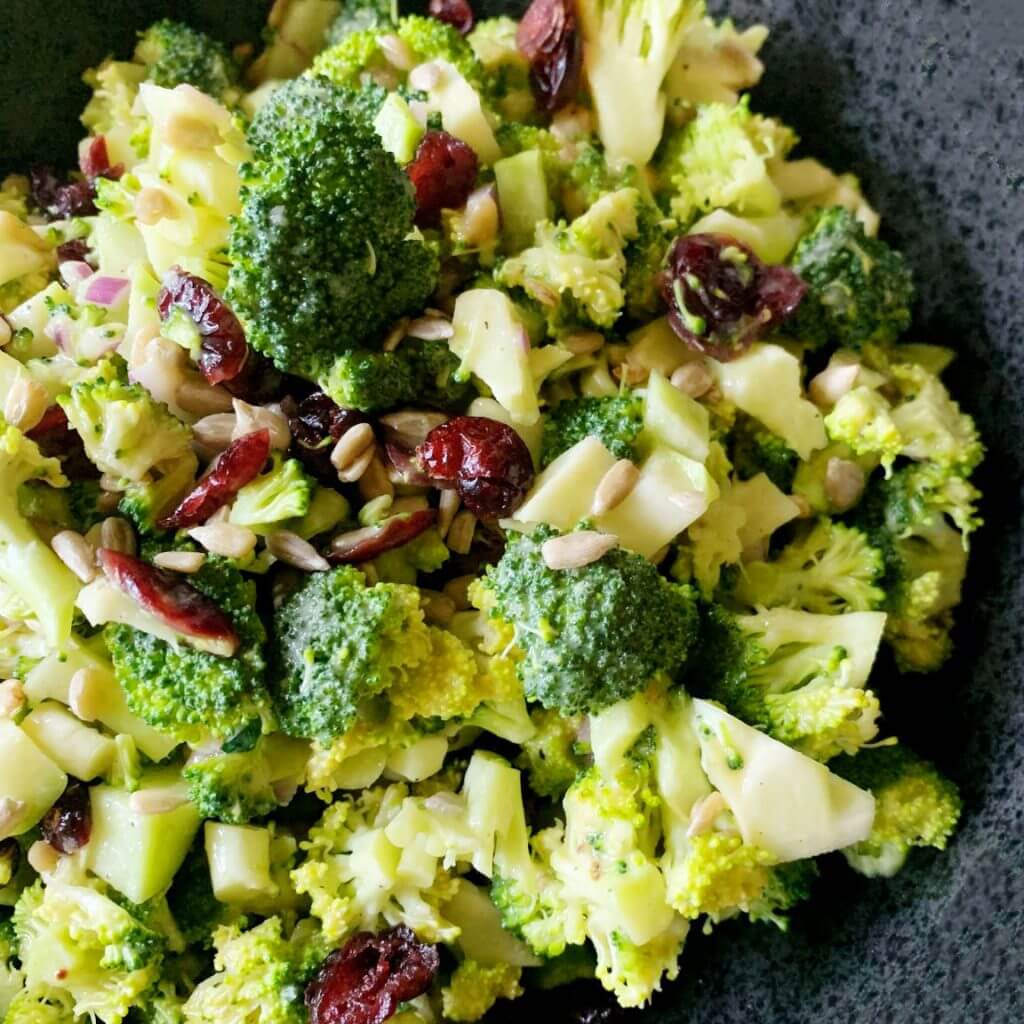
(924, 99)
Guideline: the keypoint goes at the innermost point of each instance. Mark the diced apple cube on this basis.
(73, 746)
(239, 858)
(30, 782)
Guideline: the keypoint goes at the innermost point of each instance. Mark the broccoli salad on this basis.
(457, 478)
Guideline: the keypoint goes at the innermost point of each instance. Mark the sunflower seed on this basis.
(583, 343)
(351, 447)
(225, 539)
(447, 506)
(84, 693)
(844, 484)
(42, 857)
(152, 206)
(157, 800)
(374, 480)
(25, 403)
(704, 812)
(430, 328)
(250, 418)
(460, 533)
(76, 553)
(409, 427)
(214, 432)
(180, 561)
(692, 379)
(575, 550)
(117, 535)
(197, 397)
(832, 383)
(396, 52)
(615, 486)
(12, 698)
(291, 549)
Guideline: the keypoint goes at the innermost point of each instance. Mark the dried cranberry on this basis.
(365, 980)
(60, 198)
(486, 461)
(548, 39)
(456, 13)
(76, 249)
(95, 162)
(316, 424)
(722, 298)
(239, 463)
(224, 356)
(58, 440)
(371, 541)
(172, 600)
(67, 825)
(443, 173)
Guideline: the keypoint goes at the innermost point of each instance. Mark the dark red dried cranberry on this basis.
(67, 825)
(76, 249)
(721, 298)
(456, 13)
(317, 423)
(95, 162)
(486, 461)
(548, 39)
(76, 198)
(371, 541)
(58, 440)
(443, 173)
(365, 980)
(176, 603)
(239, 463)
(224, 356)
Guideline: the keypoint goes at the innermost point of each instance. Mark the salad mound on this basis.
(461, 483)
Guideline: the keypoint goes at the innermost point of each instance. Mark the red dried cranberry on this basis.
(67, 825)
(76, 249)
(722, 298)
(548, 39)
(456, 13)
(365, 980)
(443, 173)
(486, 461)
(224, 356)
(239, 463)
(95, 162)
(172, 600)
(57, 440)
(371, 541)
(76, 198)
(316, 424)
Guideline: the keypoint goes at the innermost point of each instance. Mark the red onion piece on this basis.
(106, 291)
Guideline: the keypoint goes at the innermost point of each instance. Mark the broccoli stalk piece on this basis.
(616, 420)
(797, 675)
(630, 46)
(284, 491)
(29, 569)
(860, 290)
(914, 806)
(173, 54)
(75, 940)
(322, 261)
(588, 637)
(575, 271)
(830, 569)
(192, 694)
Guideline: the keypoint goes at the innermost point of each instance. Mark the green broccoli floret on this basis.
(830, 569)
(175, 54)
(75, 941)
(417, 371)
(797, 675)
(914, 806)
(590, 636)
(862, 420)
(284, 491)
(860, 289)
(192, 694)
(28, 566)
(616, 420)
(196, 911)
(358, 15)
(237, 786)
(338, 643)
(426, 553)
(506, 71)
(908, 518)
(83, 497)
(259, 979)
(755, 449)
(125, 432)
(358, 53)
(554, 755)
(474, 988)
(575, 271)
(321, 255)
(162, 1004)
(53, 1007)
(12, 979)
(144, 501)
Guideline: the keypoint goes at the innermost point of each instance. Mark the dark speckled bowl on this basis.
(924, 99)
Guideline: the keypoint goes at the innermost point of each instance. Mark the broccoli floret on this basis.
(506, 71)
(757, 450)
(588, 636)
(75, 940)
(630, 47)
(616, 420)
(192, 694)
(235, 787)
(144, 501)
(925, 557)
(52, 1007)
(862, 420)
(554, 755)
(259, 979)
(196, 911)
(12, 979)
(174, 53)
(321, 258)
(575, 271)
(284, 491)
(797, 675)
(720, 160)
(426, 553)
(28, 566)
(830, 569)
(474, 988)
(358, 15)
(914, 806)
(417, 371)
(860, 289)
(124, 431)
